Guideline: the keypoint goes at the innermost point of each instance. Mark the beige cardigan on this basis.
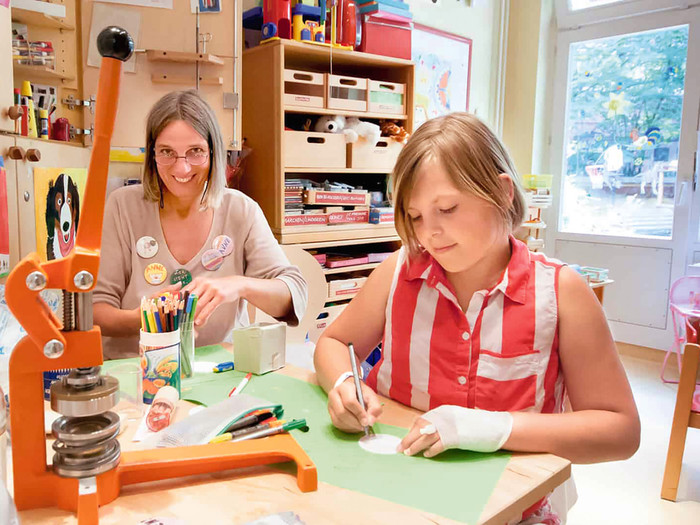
(121, 282)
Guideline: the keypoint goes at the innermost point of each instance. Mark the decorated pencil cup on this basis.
(160, 362)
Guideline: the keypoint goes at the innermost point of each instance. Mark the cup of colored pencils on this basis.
(165, 356)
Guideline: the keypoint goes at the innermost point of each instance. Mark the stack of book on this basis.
(293, 201)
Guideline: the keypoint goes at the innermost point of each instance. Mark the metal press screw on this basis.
(36, 281)
(53, 349)
(83, 280)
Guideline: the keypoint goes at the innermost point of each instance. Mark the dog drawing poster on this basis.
(58, 193)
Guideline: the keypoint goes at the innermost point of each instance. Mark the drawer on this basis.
(387, 97)
(304, 88)
(362, 154)
(307, 149)
(345, 288)
(348, 93)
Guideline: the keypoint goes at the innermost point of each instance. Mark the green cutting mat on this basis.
(456, 484)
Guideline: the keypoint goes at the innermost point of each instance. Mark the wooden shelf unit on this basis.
(40, 73)
(161, 55)
(264, 112)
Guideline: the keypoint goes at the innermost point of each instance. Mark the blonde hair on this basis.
(472, 156)
(191, 108)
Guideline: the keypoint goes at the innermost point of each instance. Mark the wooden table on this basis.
(247, 494)
(599, 288)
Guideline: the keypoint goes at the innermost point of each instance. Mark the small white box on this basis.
(260, 347)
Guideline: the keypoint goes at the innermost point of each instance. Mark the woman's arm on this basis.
(604, 424)
(115, 322)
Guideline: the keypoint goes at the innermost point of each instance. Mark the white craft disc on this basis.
(380, 443)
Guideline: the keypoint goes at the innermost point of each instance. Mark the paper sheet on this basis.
(105, 15)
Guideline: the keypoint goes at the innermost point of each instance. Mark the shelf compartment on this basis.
(39, 72)
(318, 236)
(38, 19)
(162, 78)
(344, 112)
(161, 55)
(337, 170)
(344, 269)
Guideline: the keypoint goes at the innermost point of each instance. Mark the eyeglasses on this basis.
(194, 157)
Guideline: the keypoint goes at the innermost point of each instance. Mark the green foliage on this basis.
(646, 69)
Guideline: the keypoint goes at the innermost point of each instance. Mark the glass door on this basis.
(628, 97)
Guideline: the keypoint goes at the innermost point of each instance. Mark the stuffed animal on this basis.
(393, 130)
(352, 127)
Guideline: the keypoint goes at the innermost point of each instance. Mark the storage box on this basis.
(345, 288)
(382, 157)
(346, 217)
(303, 88)
(260, 347)
(323, 321)
(387, 97)
(349, 93)
(316, 219)
(304, 149)
(383, 34)
(339, 198)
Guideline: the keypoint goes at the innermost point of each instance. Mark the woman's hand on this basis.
(422, 436)
(346, 412)
(214, 292)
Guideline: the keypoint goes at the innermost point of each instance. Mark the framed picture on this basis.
(205, 6)
(443, 70)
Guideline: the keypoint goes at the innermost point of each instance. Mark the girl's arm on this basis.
(604, 424)
(362, 324)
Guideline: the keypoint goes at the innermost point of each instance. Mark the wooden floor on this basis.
(628, 491)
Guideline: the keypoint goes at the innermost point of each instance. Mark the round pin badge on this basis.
(155, 273)
(223, 244)
(146, 247)
(181, 276)
(212, 260)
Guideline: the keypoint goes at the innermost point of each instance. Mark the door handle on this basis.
(680, 201)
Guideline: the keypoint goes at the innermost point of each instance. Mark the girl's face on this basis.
(185, 178)
(456, 227)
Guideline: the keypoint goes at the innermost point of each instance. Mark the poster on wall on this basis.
(442, 72)
(58, 193)
(4, 223)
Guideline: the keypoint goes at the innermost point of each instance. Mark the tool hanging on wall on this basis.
(89, 468)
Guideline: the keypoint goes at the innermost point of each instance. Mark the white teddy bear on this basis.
(351, 127)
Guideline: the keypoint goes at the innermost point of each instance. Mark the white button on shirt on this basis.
(461, 380)
(465, 335)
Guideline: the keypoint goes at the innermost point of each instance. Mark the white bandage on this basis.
(341, 378)
(470, 429)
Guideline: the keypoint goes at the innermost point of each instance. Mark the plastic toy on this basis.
(277, 19)
(309, 22)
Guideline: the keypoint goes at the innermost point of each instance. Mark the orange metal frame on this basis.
(35, 483)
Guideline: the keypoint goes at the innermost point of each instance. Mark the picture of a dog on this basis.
(62, 215)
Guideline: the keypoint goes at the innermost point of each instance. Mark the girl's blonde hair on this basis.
(191, 108)
(472, 156)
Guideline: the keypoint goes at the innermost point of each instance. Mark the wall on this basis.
(480, 22)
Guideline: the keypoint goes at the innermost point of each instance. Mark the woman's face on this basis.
(456, 227)
(184, 179)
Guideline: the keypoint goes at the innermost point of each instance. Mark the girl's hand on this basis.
(423, 436)
(345, 410)
(214, 292)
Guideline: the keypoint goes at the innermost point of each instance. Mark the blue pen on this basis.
(223, 367)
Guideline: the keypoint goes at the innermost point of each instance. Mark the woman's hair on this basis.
(191, 108)
(472, 156)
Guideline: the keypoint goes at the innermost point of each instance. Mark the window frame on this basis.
(573, 19)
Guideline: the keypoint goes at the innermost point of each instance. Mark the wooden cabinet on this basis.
(278, 153)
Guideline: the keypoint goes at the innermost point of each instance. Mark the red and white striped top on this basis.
(501, 354)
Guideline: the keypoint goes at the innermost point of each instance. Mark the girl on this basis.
(184, 225)
(484, 335)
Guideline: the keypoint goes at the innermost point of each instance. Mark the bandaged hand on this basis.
(450, 426)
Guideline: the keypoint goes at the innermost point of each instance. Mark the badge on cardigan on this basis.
(181, 276)
(155, 273)
(212, 260)
(223, 244)
(146, 247)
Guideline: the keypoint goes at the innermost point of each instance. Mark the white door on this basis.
(627, 93)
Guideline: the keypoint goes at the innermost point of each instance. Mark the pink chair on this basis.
(685, 308)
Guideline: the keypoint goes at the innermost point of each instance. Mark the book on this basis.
(341, 261)
(305, 220)
(375, 8)
(345, 217)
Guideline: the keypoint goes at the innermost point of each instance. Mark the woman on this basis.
(184, 225)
